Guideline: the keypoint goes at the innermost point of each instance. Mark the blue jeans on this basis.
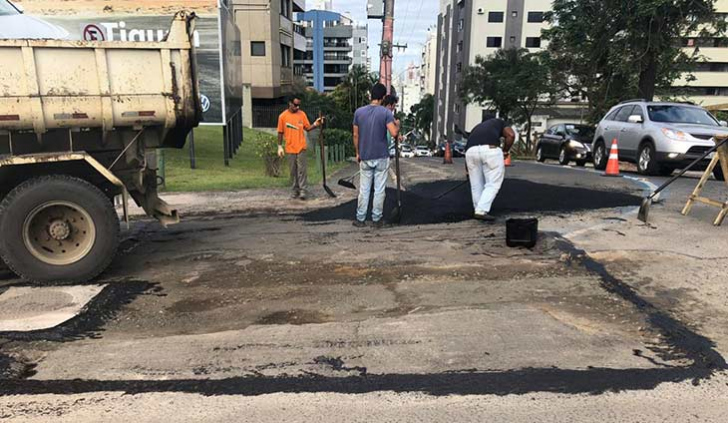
(376, 171)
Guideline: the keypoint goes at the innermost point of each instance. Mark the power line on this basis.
(406, 13)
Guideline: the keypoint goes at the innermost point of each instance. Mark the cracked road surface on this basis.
(267, 310)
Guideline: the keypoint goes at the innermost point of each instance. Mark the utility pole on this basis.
(387, 46)
(385, 65)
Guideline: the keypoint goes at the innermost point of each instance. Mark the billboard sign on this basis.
(145, 20)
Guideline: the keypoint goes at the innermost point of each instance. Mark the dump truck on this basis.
(79, 124)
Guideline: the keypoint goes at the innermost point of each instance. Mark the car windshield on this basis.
(7, 9)
(680, 114)
(581, 131)
(406, 148)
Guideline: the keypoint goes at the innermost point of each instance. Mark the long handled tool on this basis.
(348, 182)
(647, 202)
(451, 189)
(397, 212)
(323, 159)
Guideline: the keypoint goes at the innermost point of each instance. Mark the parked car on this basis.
(422, 151)
(458, 148)
(15, 24)
(658, 136)
(406, 152)
(566, 142)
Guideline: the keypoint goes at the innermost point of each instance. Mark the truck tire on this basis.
(58, 228)
(600, 155)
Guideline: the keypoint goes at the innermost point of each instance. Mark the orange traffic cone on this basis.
(507, 161)
(613, 163)
(448, 154)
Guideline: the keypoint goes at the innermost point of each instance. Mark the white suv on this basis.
(659, 137)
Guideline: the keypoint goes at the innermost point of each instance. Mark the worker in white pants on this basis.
(484, 157)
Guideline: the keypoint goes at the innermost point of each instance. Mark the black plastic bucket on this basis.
(521, 232)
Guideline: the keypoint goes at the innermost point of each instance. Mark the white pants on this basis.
(487, 170)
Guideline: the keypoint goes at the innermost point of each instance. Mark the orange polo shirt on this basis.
(292, 126)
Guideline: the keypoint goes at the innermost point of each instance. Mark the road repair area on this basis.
(261, 308)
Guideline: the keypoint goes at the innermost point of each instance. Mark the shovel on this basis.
(348, 182)
(323, 159)
(647, 202)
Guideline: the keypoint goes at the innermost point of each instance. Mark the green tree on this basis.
(353, 91)
(422, 115)
(514, 82)
(611, 50)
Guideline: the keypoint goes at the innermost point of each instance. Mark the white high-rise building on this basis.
(360, 44)
(429, 64)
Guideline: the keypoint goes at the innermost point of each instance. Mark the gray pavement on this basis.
(251, 313)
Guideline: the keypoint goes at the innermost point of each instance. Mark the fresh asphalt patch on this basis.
(517, 196)
(679, 342)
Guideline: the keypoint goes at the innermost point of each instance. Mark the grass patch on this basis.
(246, 170)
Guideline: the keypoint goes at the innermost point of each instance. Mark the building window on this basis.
(461, 25)
(493, 42)
(495, 17)
(533, 42)
(459, 67)
(363, 53)
(535, 17)
(514, 13)
(285, 56)
(457, 108)
(460, 46)
(257, 48)
(512, 40)
(286, 8)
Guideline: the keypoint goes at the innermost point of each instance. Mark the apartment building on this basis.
(710, 87)
(328, 56)
(269, 38)
(429, 64)
(408, 87)
(360, 52)
(471, 28)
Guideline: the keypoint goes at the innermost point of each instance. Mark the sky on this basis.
(412, 18)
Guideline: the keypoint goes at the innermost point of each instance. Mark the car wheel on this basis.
(563, 157)
(539, 154)
(581, 163)
(600, 156)
(718, 173)
(646, 163)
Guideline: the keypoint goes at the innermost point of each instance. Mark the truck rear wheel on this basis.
(58, 228)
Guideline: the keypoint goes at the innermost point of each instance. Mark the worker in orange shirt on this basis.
(291, 126)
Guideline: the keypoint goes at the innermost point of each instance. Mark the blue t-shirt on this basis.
(372, 122)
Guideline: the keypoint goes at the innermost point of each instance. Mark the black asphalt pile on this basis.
(517, 196)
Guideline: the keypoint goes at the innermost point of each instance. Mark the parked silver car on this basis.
(659, 137)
